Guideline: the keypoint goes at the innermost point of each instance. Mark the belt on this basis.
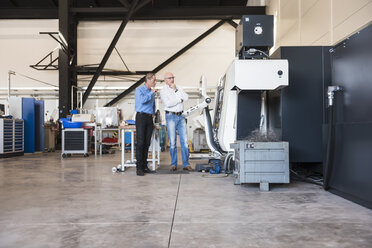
(173, 113)
(142, 113)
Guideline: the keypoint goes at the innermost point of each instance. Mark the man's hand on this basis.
(173, 86)
(154, 90)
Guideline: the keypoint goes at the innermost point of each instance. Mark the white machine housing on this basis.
(247, 74)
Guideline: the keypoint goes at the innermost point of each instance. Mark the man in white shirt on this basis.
(173, 97)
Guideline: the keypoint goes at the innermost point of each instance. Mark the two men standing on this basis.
(172, 98)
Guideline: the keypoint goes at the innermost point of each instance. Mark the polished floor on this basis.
(79, 202)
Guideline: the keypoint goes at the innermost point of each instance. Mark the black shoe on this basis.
(140, 173)
(147, 170)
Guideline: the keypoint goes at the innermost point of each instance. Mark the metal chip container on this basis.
(261, 162)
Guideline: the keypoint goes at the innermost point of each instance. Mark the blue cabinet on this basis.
(28, 115)
(32, 112)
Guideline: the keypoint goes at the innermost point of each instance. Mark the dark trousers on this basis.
(144, 128)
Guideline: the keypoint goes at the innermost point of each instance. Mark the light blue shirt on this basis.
(144, 100)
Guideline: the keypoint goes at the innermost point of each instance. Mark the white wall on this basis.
(143, 45)
(317, 22)
(21, 45)
(146, 44)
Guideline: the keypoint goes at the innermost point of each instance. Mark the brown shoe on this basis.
(173, 168)
(188, 168)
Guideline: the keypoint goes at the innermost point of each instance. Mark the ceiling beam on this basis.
(109, 50)
(125, 3)
(142, 4)
(101, 10)
(100, 14)
(165, 63)
(92, 71)
(232, 23)
(54, 2)
(21, 13)
(13, 3)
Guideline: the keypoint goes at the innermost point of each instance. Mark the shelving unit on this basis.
(11, 137)
(103, 130)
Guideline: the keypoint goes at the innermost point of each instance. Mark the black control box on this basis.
(254, 31)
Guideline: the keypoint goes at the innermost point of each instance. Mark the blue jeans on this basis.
(177, 123)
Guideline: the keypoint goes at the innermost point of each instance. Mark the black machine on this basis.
(298, 112)
(325, 113)
(350, 151)
(254, 34)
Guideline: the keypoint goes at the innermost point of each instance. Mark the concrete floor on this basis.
(79, 202)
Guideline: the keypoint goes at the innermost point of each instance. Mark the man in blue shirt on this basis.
(144, 98)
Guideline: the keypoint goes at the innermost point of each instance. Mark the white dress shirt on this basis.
(173, 100)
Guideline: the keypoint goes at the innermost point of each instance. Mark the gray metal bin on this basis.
(261, 162)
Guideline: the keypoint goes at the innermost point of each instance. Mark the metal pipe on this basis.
(9, 85)
(72, 96)
(331, 93)
(81, 100)
(328, 167)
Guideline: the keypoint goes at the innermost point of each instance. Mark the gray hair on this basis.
(149, 75)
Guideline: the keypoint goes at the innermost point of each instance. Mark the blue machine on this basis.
(28, 115)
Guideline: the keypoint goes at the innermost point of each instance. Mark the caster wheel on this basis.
(69, 155)
(114, 169)
(64, 155)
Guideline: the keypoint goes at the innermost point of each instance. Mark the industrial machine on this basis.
(241, 103)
